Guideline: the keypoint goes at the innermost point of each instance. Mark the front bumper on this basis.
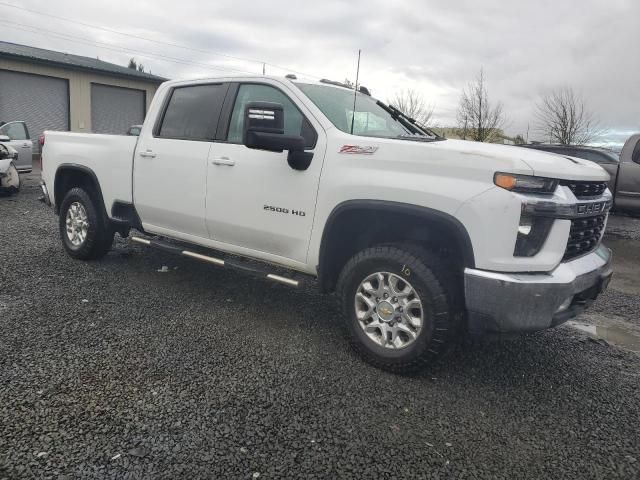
(525, 302)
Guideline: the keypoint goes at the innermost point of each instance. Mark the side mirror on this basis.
(264, 129)
(4, 138)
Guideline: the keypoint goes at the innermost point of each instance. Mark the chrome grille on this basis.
(584, 236)
(582, 189)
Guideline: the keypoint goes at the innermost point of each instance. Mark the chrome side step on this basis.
(237, 265)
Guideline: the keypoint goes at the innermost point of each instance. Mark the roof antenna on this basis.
(355, 93)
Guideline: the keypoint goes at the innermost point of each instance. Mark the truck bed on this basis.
(109, 157)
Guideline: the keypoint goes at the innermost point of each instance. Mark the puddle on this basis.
(620, 336)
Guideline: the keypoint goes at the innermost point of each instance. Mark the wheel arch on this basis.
(70, 175)
(357, 224)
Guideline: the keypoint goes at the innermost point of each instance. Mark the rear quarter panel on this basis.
(109, 157)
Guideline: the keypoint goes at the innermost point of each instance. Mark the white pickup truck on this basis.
(419, 236)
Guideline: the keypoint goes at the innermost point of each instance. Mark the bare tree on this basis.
(477, 118)
(134, 65)
(413, 105)
(563, 116)
(519, 140)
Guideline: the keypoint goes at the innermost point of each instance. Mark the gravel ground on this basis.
(624, 226)
(112, 369)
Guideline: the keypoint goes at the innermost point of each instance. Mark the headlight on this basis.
(525, 183)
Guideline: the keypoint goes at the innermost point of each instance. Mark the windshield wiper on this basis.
(399, 116)
(415, 130)
(418, 137)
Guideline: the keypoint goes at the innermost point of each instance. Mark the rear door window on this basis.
(192, 112)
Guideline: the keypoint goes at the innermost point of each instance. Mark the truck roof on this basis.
(277, 78)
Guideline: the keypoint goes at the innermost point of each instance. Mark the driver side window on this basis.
(294, 122)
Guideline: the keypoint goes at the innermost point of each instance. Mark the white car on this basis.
(420, 237)
(9, 178)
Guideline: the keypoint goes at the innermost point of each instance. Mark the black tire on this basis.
(99, 237)
(434, 283)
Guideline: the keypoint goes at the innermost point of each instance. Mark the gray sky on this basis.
(525, 48)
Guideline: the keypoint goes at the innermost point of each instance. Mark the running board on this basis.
(236, 265)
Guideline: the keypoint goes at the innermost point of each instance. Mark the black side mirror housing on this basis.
(264, 130)
(299, 159)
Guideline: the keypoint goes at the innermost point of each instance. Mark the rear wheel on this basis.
(399, 306)
(85, 230)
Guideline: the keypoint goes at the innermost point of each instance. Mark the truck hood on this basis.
(539, 163)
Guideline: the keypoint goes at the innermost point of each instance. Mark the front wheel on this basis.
(399, 306)
(85, 230)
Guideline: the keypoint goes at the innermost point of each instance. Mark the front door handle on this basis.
(148, 154)
(224, 161)
(26, 145)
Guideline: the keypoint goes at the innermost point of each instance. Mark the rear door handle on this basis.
(148, 154)
(224, 161)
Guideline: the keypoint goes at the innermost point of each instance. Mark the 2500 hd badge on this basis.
(271, 208)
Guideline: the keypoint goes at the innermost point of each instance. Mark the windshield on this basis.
(370, 119)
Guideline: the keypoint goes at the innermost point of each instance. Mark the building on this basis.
(58, 91)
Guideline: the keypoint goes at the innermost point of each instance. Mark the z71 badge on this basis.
(271, 208)
(358, 150)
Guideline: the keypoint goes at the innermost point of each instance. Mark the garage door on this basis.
(42, 102)
(115, 109)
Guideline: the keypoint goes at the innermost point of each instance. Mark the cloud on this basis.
(525, 48)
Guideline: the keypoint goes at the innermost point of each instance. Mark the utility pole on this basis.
(264, 68)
